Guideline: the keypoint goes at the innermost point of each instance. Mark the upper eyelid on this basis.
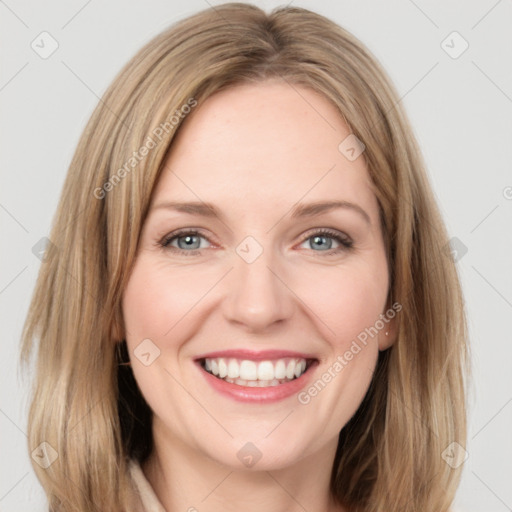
(182, 232)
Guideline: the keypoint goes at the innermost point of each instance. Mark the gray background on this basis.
(461, 111)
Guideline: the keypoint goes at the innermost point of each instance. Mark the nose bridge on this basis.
(256, 297)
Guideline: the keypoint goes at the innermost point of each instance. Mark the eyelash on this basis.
(345, 243)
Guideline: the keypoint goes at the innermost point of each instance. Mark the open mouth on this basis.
(249, 373)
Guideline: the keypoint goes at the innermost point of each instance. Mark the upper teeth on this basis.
(252, 370)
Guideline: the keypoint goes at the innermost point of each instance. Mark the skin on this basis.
(254, 151)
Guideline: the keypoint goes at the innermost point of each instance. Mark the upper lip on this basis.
(255, 355)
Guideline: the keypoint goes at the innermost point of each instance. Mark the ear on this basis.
(389, 334)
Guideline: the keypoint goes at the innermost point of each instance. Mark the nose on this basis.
(257, 296)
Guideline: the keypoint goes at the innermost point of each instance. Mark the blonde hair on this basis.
(85, 402)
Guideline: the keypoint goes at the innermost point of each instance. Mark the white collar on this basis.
(148, 499)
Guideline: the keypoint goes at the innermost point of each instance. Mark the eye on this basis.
(326, 240)
(190, 241)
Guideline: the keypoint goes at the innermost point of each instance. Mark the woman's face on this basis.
(261, 254)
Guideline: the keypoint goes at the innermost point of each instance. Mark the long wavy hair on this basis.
(85, 404)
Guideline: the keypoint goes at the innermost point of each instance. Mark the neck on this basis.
(185, 479)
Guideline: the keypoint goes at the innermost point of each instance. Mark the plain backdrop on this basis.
(459, 101)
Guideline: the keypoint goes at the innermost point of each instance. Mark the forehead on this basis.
(270, 141)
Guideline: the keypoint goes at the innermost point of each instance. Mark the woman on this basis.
(249, 298)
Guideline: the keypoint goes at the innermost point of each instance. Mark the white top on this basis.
(148, 499)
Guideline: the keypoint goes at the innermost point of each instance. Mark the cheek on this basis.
(346, 300)
(347, 305)
(157, 298)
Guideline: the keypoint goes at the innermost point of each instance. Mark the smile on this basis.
(257, 377)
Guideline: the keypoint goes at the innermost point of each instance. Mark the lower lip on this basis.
(259, 395)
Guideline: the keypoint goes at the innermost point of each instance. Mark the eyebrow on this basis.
(298, 211)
